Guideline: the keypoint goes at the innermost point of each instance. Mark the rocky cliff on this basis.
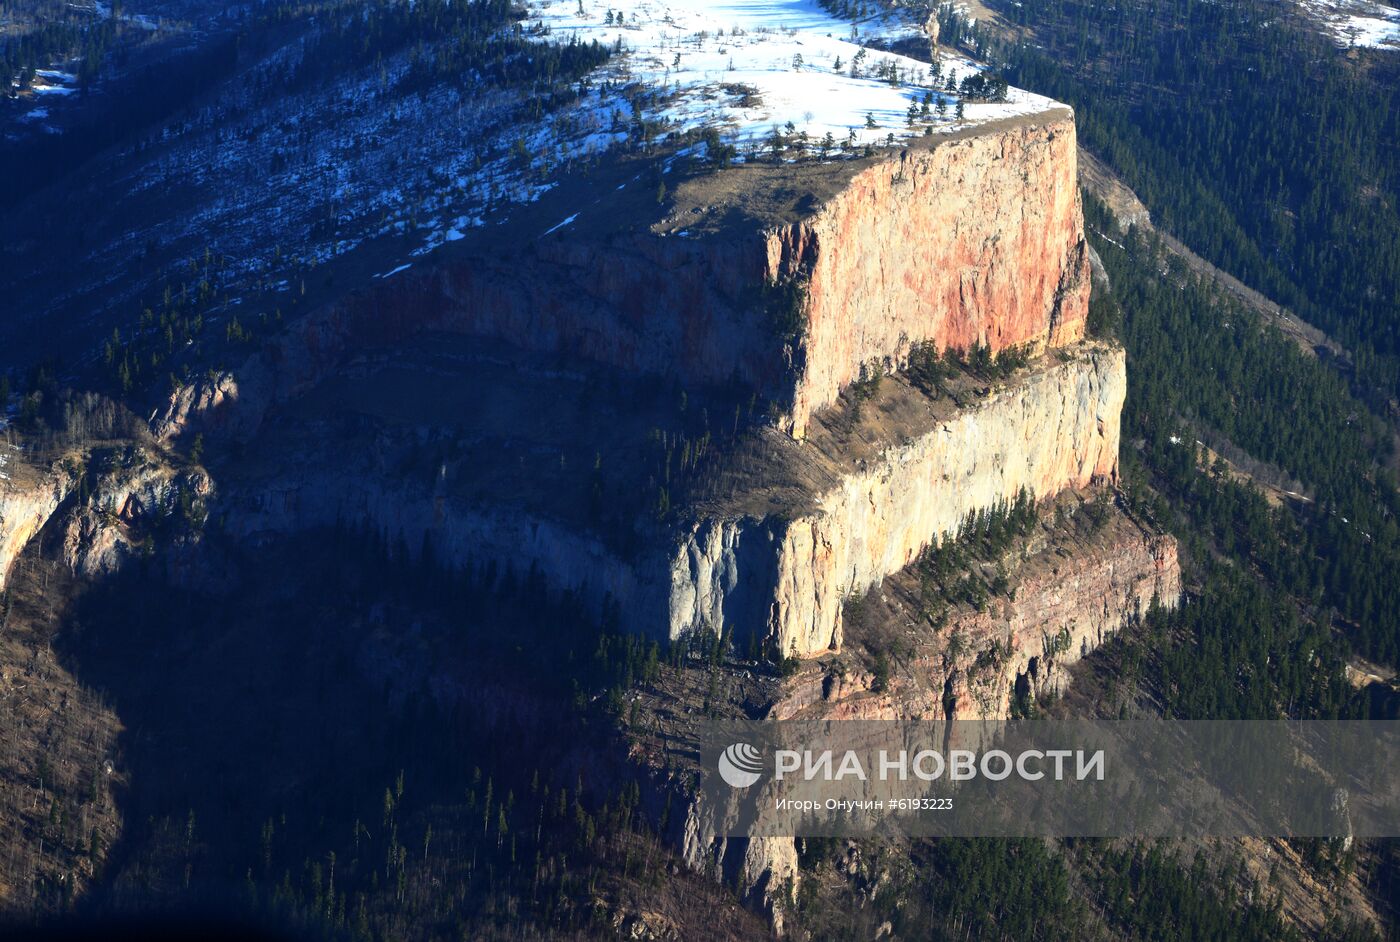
(802, 526)
(784, 279)
(27, 499)
(100, 504)
(1072, 587)
(1008, 267)
(1052, 428)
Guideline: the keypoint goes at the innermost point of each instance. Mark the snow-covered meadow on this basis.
(748, 69)
(747, 66)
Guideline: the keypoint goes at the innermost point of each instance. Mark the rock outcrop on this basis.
(135, 493)
(102, 503)
(1067, 598)
(27, 500)
(1054, 428)
(970, 238)
(1009, 267)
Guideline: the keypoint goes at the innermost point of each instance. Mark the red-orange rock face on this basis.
(977, 241)
(974, 240)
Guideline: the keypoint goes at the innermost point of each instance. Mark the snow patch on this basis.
(561, 225)
(1359, 23)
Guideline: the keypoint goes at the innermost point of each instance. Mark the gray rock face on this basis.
(1056, 429)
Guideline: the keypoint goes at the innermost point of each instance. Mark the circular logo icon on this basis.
(740, 765)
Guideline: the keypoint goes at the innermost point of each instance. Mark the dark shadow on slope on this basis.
(344, 745)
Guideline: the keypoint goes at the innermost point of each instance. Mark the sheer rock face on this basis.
(978, 241)
(25, 506)
(1055, 428)
(764, 868)
(973, 238)
(1064, 614)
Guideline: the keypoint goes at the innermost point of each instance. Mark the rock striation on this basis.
(1054, 428)
(1070, 596)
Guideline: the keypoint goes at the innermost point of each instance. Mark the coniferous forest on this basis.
(1203, 365)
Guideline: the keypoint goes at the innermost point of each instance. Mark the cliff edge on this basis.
(780, 280)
